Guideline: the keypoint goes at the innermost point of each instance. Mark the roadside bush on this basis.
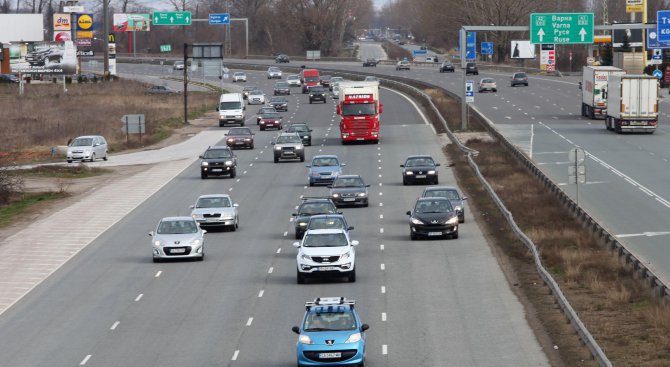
(10, 185)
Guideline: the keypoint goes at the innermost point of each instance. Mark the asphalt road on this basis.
(429, 303)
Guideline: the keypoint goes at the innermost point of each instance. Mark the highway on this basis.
(429, 303)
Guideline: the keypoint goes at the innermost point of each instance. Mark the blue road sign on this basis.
(471, 46)
(487, 48)
(658, 74)
(652, 40)
(223, 18)
(419, 52)
(663, 25)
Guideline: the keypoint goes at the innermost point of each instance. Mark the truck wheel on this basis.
(592, 113)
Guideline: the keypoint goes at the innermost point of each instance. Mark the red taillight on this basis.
(652, 123)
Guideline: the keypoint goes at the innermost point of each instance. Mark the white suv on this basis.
(273, 72)
(326, 252)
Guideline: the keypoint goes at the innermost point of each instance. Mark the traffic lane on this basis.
(368, 50)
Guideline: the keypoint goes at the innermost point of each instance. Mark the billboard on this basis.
(132, 22)
(21, 28)
(634, 37)
(46, 58)
(62, 22)
(523, 50)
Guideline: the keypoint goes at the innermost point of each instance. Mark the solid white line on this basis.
(158, 273)
(383, 289)
(260, 293)
(385, 349)
(383, 316)
(114, 325)
(532, 135)
(382, 266)
(279, 250)
(380, 184)
(251, 319)
(237, 352)
(138, 298)
(381, 247)
(238, 180)
(270, 270)
(83, 362)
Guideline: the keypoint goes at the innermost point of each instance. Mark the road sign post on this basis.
(576, 170)
(469, 91)
(172, 18)
(561, 28)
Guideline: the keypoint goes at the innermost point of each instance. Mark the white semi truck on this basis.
(594, 89)
(632, 103)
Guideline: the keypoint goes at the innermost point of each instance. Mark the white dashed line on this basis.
(279, 250)
(158, 273)
(260, 293)
(244, 173)
(383, 289)
(114, 325)
(238, 180)
(381, 216)
(380, 184)
(271, 270)
(385, 349)
(381, 247)
(285, 234)
(381, 204)
(138, 298)
(83, 362)
(381, 230)
(382, 267)
(230, 189)
(383, 316)
(237, 353)
(381, 194)
(251, 164)
(251, 319)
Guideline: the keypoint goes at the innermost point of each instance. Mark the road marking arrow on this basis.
(541, 34)
(582, 33)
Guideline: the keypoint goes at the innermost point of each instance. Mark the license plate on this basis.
(360, 138)
(177, 251)
(330, 355)
(349, 199)
(434, 233)
(239, 142)
(326, 268)
(420, 176)
(217, 170)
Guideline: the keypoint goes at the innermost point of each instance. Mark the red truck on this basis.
(309, 78)
(360, 109)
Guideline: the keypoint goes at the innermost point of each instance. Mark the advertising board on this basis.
(21, 28)
(523, 50)
(46, 58)
(132, 22)
(62, 22)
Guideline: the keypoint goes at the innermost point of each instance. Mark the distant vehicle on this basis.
(281, 58)
(178, 238)
(331, 332)
(519, 78)
(87, 148)
(270, 120)
(239, 76)
(263, 110)
(334, 80)
(402, 65)
(281, 88)
(447, 67)
(324, 169)
(432, 217)
(326, 252)
(293, 80)
(83, 78)
(419, 168)
(431, 59)
(240, 137)
(288, 146)
(309, 78)
(8, 78)
(308, 208)
(487, 84)
(231, 109)
(325, 81)
(279, 103)
(317, 93)
(216, 210)
(161, 89)
(218, 161)
(247, 89)
(451, 193)
(370, 62)
(349, 190)
(471, 68)
(401, 43)
(303, 131)
(273, 73)
(178, 65)
(256, 97)
(594, 89)
(335, 94)
(632, 103)
(423, 48)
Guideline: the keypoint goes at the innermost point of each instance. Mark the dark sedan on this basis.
(432, 217)
(281, 88)
(218, 161)
(303, 130)
(240, 137)
(160, 89)
(446, 67)
(349, 190)
(282, 59)
(270, 120)
(279, 103)
(370, 62)
(317, 93)
(452, 194)
(308, 208)
(419, 168)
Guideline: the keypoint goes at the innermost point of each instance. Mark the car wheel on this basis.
(262, 128)
(233, 173)
(92, 157)
(105, 157)
(404, 181)
(461, 220)
(242, 123)
(526, 84)
(157, 259)
(300, 277)
(233, 227)
(454, 236)
(237, 222)
(302, 158)
(495, 91)
(412, 236)
(201, 258)
(366, 204)
(310, 101)
(311, 183)
(436, 181)
(276, 159)
(352, 276)
(203, 175)
(69, 161)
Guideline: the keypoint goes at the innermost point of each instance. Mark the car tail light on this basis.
(653, 123)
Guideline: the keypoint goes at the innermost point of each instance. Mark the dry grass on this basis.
(619, 311)
(46, 116)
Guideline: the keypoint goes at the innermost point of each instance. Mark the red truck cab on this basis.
(359, 108)
(309, 78)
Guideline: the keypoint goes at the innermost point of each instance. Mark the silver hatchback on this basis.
(178, 238)
(87, 148)
(215, 210)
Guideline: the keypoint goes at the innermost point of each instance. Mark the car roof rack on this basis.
(329, 301)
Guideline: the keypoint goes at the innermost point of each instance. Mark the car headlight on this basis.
(458, 208)
(196, 242)
(229, 163)
(299, 147)
(231, 140)
(431, 172)
(227, 216)
(306, 257)
(353, 338)
(277, 148)
(304, 339)
(452, 221)
(336, 195)
(345, 256)
(204, 164)
(194, 216)
(302, 224)
(415, 221)
(306, 137)
(262, 122)
(158, 243)
(362, 194)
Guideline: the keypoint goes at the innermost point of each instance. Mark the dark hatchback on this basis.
(446, 67)
(432, 217)
(370, 62)
(308, 208)
(8, 78)
(317, 93)
(419, 168)
(519, 79)
(349, 190)
(240, 137)
(218, 161)
(452, 194)
(303, 131)
(281, 88)
(279, 103)
(471, 68)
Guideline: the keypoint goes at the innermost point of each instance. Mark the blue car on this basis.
(331, 334)
(324, 169)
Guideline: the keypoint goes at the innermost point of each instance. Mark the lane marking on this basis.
(383, 316)
(158, 273)
(382, 266)
(251, 319)
(381, 230)
(83, 362)
(260, 293)
(381, 247)
(279, 250)
(114, 325)
(381, 216)
(383, 289)
(381, 204)
(138, 298)
(237, 353)
(646, 234)
(271, 270)
(385, 349)
(285, 234)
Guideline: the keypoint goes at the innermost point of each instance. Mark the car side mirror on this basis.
(191, 206)
(338, 212)
(244, 108)
(308, 165)
(367, 185)
(402, 165)
(204, 231)
(381, 108)
(365, 327)
(580, 85)
(351, 228)
(236, 205)
(296, 244)
(272, 143)
(151, 234)
(310, 130)
(409, 212)
(217, 108)
(464, 198)
(437, 164)
(226, 134)
(296, 330)
(294, 214)
(354, 243)
(200, 156)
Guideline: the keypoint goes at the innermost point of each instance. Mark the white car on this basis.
(256, 97)
(178, 238)
(239, 76)
(326, 252)
(87, 148)
(336, 91)
(293, 80)
(216, 210)
(273, 72)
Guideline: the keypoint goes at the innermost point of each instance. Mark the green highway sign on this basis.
(172, 18)
(561, 28)
(166, 48)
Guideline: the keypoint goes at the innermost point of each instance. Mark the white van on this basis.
(231, 109)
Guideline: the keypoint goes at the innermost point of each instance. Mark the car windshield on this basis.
(278, 99)
(217, 153)
(298, 128)
(266, 110)
(247, 89)
(488, 81)
(82, 142)
(312, 79)
(239, 74)
(325, 162)
(270, 115)
(336, 79)
(519, 75)
(274, 70)
(288, 139)
(325, 77)
(449, 194)
(330, 321)
(293, 77)
(213, 202)
(358, 109)
(325, 240)
(349, 182)
(371, 78)
(230, 106)
(239, 131)
(433, 206)
(316, 90)
(281, 85)
(316, 208)
(326, 223)
(419, 162)
(177, 227)
(256, 92)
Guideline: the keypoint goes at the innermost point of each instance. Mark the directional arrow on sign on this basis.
(582, 33)
(156, 19)
(171, 19)
(540, 33)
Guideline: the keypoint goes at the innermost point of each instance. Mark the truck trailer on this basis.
(632, 103)
(594, 89)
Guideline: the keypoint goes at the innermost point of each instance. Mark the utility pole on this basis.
(227, 47)
(105, 37)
